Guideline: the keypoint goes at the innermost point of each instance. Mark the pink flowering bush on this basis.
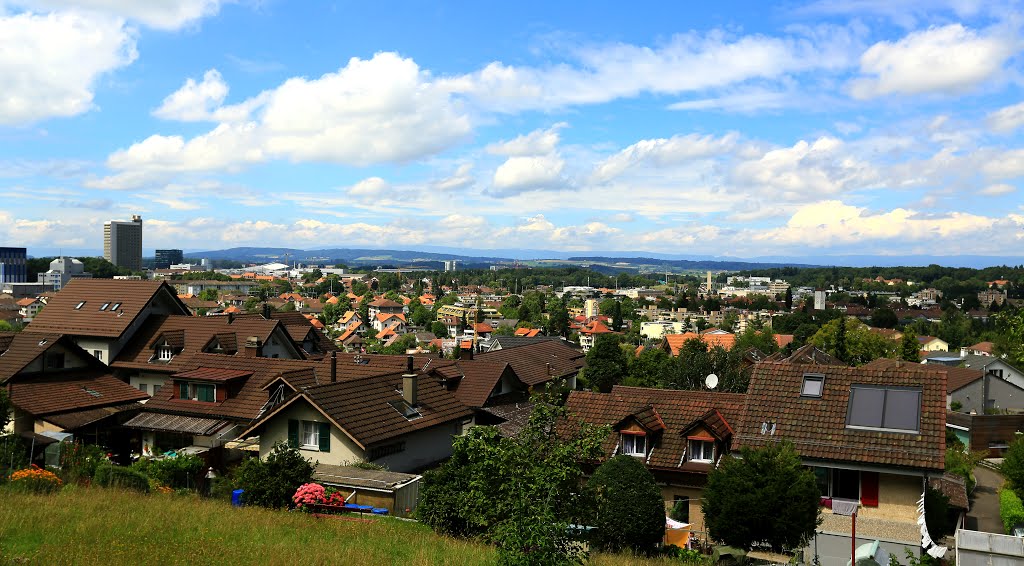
(308, 494)
(334, 497)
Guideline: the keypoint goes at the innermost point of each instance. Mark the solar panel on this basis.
(866, 407)
(884, 408)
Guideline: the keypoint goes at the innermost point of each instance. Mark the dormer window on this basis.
(164, 353)
(812, 386)
(197, 392)
(702, 450)
(634, 444)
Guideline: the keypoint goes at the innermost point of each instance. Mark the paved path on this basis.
(984, 513)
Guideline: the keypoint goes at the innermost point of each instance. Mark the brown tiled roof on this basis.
(193, 333)
(539, 362)
(19, 350)
(956, 377)
(817, 425)
(385, 303)
(677, 410)
(131, 298)
(954, 487)
(75, 419)
(807, 355)
(477, 379)
(212, 374)
(42, 395)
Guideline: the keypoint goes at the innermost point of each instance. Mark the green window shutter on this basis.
(325, 437)
(293, 433)
(205, 393)
(184, 390)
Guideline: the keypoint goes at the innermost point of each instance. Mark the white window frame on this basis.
(164, 353)
(630, 443)
(311, 433)
(693, 443)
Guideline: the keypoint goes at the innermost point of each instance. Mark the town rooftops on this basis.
(104, 307)
(539, 362)
(383, 303)
(893, 417)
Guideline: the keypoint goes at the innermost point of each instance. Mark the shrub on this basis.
(272, 483)
(1011, 510)
(631, 511)
(78, 461)
(13, 455)
(308, 494)
(962, 464)
(119, 476)
(936, 513)
(36, 480)
(177, 472)
(1013, 464)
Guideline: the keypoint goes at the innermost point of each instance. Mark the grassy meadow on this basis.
(106, 526)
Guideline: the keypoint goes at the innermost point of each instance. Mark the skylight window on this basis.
(891, 409)
(104, 307)
(407, 410)
(92, 392)
(812, 386)
(115, 307)
(80, 305)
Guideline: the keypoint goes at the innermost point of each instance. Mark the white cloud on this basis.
(1005, 165)
(461, 179)
(537, 142)
(49, 64)
(949, 59)
(831, 223)
(688, 62)
(195, 101)
(747, 100)
(518, 174)
(662, 152)
(369, 188)
(998, 189)
(380, 110)
(159, 14)
(806, 170)
(1006, 119)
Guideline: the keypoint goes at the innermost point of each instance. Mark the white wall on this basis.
(423, 447)
(343, 450)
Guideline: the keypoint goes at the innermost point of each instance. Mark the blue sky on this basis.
(744, 129)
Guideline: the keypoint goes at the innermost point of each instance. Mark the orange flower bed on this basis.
(36, 480)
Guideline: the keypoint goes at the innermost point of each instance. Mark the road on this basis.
(984, 513)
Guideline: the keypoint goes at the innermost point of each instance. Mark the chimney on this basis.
(334, 367)
(253, 347)
(231, 317)
(409, 383)
(266, 311)
(408, 364)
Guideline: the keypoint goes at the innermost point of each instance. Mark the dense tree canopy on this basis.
(767, 496)
(630, 510)
(850, 340)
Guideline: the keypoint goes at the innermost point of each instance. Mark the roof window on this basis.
(92, 392)
(813, 385)
(80, 305)
(104, 307)
(115, 307)
(889, 409)
(407, 410)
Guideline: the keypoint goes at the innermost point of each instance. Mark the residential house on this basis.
(540, 363)
(679, 435)
(500, 342)
(932, 344)
(402, 420)
(590, 332)
(873, 436)
(979, 349)
(992, 296)
(28, 307)
(998, 367)
(972, 389)
(102, 315)
(386, 306)
(56, 386)
(394, 321)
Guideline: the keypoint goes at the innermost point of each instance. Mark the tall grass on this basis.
(109, 526)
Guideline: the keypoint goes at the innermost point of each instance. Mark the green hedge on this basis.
(1011, 509)
(119, 476)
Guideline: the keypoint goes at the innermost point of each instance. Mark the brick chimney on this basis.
(253, 347)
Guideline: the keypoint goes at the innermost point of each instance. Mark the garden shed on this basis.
(398, 493)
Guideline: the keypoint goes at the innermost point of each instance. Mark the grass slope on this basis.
(102, 526)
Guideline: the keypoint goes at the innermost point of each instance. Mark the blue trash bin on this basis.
(236, 497)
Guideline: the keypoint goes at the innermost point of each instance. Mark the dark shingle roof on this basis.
(476, 379)
(43, 395)
(19, 350)
(130, 297)
(817, 425)
(539, 362)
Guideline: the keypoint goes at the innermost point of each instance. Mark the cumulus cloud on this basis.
(998, 189)
(949, 59)
(518, 174)
(461, 179)
(195, 101)
(49, 64)
(381, 110)
(805, 170)
(832, 222)
(158, 14)
(537, 142)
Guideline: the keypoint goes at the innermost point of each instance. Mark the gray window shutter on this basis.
(293, 433)
(325, 437)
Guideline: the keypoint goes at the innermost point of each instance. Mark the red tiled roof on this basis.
(595, 327)
(675, 341)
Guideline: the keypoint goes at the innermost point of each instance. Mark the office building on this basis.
(166, 258)
(450, 264)
(13, 265)
(62, 270)
(122, 243)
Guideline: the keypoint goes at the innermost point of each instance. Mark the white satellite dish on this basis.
(711, 381)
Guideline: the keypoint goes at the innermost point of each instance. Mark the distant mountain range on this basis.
(629, 260)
